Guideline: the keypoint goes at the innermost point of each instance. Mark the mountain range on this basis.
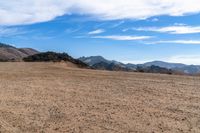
(100, 62)
(11, 53)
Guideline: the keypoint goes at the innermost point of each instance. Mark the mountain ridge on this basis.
(175, 67)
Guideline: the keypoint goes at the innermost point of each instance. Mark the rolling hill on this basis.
(10, 53)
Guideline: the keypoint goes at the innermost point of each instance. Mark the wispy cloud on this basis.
(98, 31)
(70, 31)
(123, 38)
(34, 11)
(176, 42)
(11, 31)
(117, 24)
(177, 29)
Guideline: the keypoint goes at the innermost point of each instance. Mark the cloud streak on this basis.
(11, 31)
(177, 42)
(123, 38)
(182, 29)
(34, 11)
(98, 31)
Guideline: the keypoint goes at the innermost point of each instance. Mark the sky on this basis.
(130, 31)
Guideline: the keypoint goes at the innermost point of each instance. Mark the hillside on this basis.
(10, 53)
(110, 66)
(54, 57)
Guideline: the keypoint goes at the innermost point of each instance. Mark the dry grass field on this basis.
(51, 97)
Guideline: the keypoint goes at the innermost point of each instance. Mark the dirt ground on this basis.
(49, 97)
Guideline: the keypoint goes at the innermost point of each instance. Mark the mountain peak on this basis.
(94, 60)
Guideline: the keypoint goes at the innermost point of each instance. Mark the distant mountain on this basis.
(110, 66)
(54, 57)
(164, 64)
(10, 53)
(94, 60)
(99, 62)
(131, 66)
(187, 69)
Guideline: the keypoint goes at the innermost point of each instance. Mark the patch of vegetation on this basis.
(154, 69)
(53, 57)
(7, 60)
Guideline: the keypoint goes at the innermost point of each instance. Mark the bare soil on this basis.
(53, 97)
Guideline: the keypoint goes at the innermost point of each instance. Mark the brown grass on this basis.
(49, 97)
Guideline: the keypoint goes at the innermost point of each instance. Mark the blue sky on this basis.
(160, 31)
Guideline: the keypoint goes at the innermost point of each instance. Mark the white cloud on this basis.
(98, 31)
(177, 42)
(17, 12)
(177, 29)
(11, 31)
(185, 59)
(123, 38)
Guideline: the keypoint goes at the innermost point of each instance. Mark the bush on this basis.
(53, 57)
